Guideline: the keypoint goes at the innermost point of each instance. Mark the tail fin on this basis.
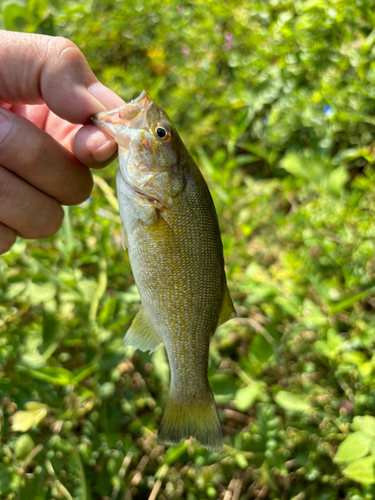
(197, 418)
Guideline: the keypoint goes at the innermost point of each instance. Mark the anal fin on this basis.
(141, 334)
(227, 310)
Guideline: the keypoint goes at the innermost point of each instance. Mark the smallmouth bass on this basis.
(171, 231)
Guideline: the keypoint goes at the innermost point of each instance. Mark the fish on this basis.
(171, 231)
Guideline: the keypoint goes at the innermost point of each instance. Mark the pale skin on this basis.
(47, 143)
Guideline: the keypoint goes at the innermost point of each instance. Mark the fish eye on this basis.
(162, 132)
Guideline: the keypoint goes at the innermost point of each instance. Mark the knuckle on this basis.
(31, 154)
(51, 222)
(25, 156)
(66, 48)
(4, 247)
(7, 238)
(33, 214)
(45, 224)
(60, 44)
(83, 191)
(4, 182)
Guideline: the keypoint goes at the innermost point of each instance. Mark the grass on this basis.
(274, 100)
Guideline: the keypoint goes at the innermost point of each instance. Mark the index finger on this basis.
(40, 68)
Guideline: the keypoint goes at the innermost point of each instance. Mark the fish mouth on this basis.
(131, 116)
(121, 124)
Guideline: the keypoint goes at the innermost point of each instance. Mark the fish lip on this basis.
(142, 96)
(97, 119)
(102, 125)
(131, 116)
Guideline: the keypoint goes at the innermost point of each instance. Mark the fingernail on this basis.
(108, 98)
(101, 147)
(5, 125)
(104, 153)
(97, 140)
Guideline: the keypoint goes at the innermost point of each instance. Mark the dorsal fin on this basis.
(227, 310)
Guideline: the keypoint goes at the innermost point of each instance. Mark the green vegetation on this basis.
(276, 101)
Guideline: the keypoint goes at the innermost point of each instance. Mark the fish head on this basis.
(150, 149)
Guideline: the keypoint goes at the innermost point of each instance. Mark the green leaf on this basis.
(361, 470)
(81, 373)
(336, 180)
(351, 300)
(33, 359)
(25, 420)
(354, 446)
(223, 386)
(292, 163)
(313, 315)
(330, 347)
(246, 396)
(293, 402)
(15, 16)
(174, 453)
(305, 167)
(23, 446)
(106, 390)
(14, 289)
(261, 349)
(351, 154)
(8, 480)
(87, 289)
(241, 460)
(40, 293)
(54, 375)
(36, 9)
(50, 328)
(161, 366)
(366, 424)
(81, 473)
(31, 489)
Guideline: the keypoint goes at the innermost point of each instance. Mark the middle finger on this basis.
(40, 160)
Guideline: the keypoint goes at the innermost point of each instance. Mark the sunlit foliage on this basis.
(276, 101)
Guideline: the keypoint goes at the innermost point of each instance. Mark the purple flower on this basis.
(185, 52)
(347, 407)
(228, 42)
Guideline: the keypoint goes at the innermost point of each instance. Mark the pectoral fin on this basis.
(141, 334)
(227, 309)
(124, 238)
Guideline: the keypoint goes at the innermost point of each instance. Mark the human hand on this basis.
(47, 95)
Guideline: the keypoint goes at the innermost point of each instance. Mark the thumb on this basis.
(40, 69)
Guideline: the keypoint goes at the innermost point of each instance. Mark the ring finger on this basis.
(7, 238)
(25, 209)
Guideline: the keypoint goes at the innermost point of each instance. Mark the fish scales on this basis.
(187, 301)
(173, 238)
